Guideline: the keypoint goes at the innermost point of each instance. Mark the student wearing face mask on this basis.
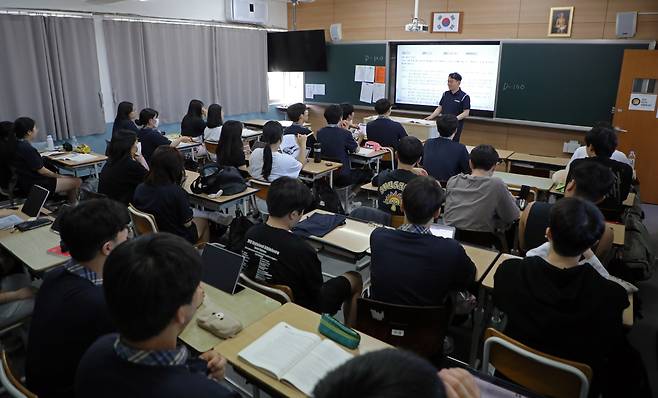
(150, 137)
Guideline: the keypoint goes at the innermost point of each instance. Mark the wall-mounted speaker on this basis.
(626, 24)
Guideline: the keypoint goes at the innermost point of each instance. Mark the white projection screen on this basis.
(421, 73)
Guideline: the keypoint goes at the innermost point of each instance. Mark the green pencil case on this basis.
(338, 332)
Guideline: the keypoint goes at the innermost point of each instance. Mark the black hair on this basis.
(286, 195)
(388, 373)
(120, 145)
(410, 149)
(214, 116)
(230, 142)
(123, 111)
(593, 180)
(447, 125)
(421, 198)
(272, 133)
(603, 140)
(484, 157)
(347, 108)
(295, 111)
(22, 125)
(85, 228)
(146, 280)
(7, 142)
(145, 115)
(456, 76)
(333, 114)
(167, 166)
(576, 225)
(382, 106)
(195, 109)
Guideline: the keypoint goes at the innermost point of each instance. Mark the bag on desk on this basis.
(219, 324)
(326, 198)
(213, 178)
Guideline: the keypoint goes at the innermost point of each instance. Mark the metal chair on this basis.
(14, 387)
(281, 293)
(144, 223)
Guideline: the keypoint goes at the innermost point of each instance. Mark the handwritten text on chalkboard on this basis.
(512, 86)
(373, 58)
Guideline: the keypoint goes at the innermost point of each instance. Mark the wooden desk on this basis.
(31, 247)
(370, 188)
(221, 202)
(482, 258)
(372, 157)
(504, 154)
(259, 123)
(312, 171)
(542, 160)
(295, 316)
(250, 135)
(619, 232)
(247, 306)
(353, 237)
(63, 161)
(517, 180)
(420, 128)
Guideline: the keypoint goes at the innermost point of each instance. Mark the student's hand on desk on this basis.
(459, 383)
(419, 171)
(216, 364)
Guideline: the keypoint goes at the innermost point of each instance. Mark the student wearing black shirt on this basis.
(601, 142)
(30, 169)
(384, 130)
(443, 157)
(564, 307)
(193, 124)
(230, 149)
(122, 172)
(410, 266)
(70, 311)
(124, 119)
(150, 137)
(391, 183)
(152, 288)
(276, 256)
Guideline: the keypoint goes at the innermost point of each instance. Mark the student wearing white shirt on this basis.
(581, 153)
(268, 163)
(214, 125)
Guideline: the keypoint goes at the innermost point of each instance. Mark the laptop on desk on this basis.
(221, 268)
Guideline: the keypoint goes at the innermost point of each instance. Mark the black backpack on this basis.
(213, 177)
(325, 198)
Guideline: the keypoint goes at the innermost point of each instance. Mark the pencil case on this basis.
(338, 332)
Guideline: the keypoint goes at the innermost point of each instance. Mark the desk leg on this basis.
(96, 170)
(377, 165)
(331, 179)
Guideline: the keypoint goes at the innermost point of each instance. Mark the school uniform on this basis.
(124, 124)
(337, 144)
(444, 158)
(455, 104)
(119, 179)
(27, 161)
(170, 206)
(192, 126)
(385, 131)
(212, 134)
(289, 140)
(151, 139)
(283, 165)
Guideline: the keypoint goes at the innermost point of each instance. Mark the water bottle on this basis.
(51, 143)
(74, 142)
(631, 158)
(317, 152)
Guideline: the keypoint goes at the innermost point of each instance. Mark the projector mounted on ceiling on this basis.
(417, 24)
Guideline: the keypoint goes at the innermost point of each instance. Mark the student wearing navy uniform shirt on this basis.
(443, 157)
(150, 137)
(454, 102)
(193, 124)
(125, 118)
(384, 130)
(298, 114)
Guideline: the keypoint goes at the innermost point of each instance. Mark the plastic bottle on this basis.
(632, 158)
(51, 143)
(74, 142)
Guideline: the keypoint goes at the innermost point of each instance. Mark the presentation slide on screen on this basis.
(422, 73)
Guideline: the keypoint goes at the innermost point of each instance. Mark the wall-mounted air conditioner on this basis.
(247, 11)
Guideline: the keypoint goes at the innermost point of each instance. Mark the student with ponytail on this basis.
(269, 163)
(150, 137)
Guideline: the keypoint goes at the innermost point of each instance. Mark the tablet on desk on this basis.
(35, 201)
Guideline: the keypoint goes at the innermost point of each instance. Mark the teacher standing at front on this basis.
(454, 102)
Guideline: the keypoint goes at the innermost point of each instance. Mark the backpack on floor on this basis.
(326, 198)
(638, 256)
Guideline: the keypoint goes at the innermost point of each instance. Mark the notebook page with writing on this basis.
(324, 358)
(279, 349)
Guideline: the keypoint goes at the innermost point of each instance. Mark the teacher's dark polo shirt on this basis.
(454, 104)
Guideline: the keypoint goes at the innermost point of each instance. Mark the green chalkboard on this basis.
(339, 77)
(565, 83)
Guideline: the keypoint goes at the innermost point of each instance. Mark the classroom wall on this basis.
(491, 19)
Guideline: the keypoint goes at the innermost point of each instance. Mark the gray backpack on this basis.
(638, 256)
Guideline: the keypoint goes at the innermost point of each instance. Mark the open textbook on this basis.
(294, 356)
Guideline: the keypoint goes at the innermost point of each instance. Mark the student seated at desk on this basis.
(443, 157)
(193, 124)
(70, 311)
(213, 130)
(383, 130)
(150, 137)
(337, 144)
(124, 120)
(230, 151)
(347, 121)
(601, 144)
(152, 289)
(582, 153)
(298, 114)
(391, 183)
(122, 172)
(410, 266)
(274, 255)
(479, 201)
(268, 163)
(29, 166)
(563, 307)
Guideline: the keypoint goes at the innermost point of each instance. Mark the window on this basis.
(286, 87)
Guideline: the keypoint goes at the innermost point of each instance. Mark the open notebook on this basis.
(294, 356)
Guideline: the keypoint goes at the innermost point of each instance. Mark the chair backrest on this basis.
(211, 147)
(418, 329)
(262, 186)
(396, 221)
(14, 387)
(486, 239)
(281, 293)
(370, 214)
(390, 156)
(535, 370)
(144, 222)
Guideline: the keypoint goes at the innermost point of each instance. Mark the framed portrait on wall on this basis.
(559, 22)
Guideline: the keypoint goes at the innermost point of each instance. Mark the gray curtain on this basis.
(125, 52)
(242, 69)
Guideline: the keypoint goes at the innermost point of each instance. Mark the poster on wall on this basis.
(642, 102)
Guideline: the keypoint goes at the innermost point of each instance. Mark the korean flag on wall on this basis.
(446, 22)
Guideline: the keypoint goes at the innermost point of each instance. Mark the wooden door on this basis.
(639, 74)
